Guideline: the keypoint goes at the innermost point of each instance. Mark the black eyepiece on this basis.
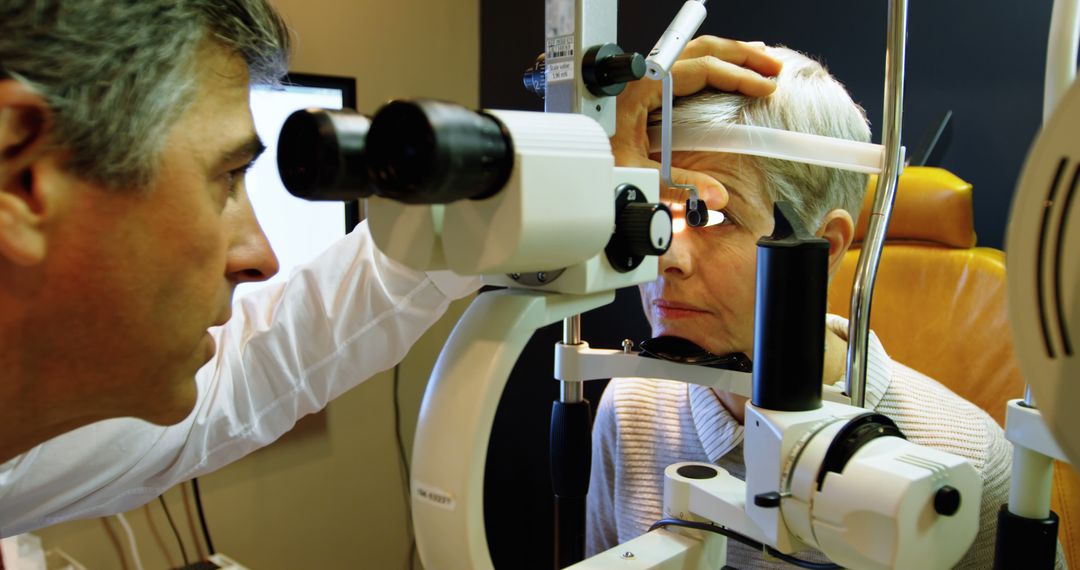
(432, 152)
(321, 155)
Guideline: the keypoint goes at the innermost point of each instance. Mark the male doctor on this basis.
(125, 133)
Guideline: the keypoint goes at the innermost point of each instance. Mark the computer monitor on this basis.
(297, 229)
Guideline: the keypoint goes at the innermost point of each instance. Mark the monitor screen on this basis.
(298, 230)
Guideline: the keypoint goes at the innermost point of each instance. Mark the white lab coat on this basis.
(288, 350)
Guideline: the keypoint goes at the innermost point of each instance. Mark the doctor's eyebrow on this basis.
(247, 151)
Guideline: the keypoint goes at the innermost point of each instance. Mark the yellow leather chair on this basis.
(939, 307)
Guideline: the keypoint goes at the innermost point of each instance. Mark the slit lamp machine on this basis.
(484, 193)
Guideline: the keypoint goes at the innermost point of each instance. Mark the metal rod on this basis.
(866, 272)
(667, 91)
(571, 392)
(571, 330)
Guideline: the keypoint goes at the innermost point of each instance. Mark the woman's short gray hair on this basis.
(809, 100)
(117, 74)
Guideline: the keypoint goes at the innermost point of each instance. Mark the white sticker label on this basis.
(437, 497)
(558, 48)
(561, 71)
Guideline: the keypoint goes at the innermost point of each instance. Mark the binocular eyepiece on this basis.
(411, 151)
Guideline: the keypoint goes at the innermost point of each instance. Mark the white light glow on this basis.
(715, 217)
(678, 224)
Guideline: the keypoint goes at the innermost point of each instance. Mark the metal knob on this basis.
(606, 69)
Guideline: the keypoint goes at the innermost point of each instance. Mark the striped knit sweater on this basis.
(644, 425)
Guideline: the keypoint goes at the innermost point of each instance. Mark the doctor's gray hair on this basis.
(809, 100)
(117, 74)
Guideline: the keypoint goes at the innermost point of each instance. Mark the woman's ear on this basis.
(24, 128)
(838, 229)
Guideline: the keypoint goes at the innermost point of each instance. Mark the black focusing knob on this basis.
(621, 68)
(644, 228)
(641, 229)
(606, 69)
(947, 501)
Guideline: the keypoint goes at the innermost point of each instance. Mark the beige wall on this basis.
(395, 48)
(330, 493)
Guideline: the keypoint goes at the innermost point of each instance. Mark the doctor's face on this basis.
(705, 290)
(150, 270)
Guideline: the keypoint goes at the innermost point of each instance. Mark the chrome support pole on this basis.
(571, 392)
(866, 272)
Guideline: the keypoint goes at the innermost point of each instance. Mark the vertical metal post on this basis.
(571, 459)
(866, 272)
(571, 392)
(571, 28)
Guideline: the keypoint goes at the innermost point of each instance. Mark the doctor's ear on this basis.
(24, 122)
(24, 130)
(838, 229)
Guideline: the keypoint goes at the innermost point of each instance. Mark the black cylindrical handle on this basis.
(1025, 543)
(789, 316)
(571, 458)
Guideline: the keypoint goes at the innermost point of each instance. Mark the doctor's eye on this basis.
(235, 177)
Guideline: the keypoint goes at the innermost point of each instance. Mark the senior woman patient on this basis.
(705, 293)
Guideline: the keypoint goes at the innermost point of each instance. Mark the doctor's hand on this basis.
(707, 62)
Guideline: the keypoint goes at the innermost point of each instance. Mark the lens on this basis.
(432, 152)
(321, 155)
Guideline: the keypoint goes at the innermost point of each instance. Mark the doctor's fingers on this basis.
(693, 75)
(751, 55)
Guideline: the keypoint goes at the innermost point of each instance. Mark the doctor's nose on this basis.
(250, 257)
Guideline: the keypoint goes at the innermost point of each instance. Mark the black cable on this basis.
(176, 533)
(404, 466)
(202, 517)
(747, 541)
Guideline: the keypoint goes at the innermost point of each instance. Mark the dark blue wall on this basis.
(983, 60)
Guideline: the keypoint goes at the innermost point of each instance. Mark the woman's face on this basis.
(705, 290)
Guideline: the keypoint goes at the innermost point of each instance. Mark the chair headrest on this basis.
(932, 206)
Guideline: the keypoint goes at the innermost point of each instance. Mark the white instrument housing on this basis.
(1043, 280)
(554, 211)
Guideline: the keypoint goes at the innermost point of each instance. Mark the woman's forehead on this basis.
(737, 173)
